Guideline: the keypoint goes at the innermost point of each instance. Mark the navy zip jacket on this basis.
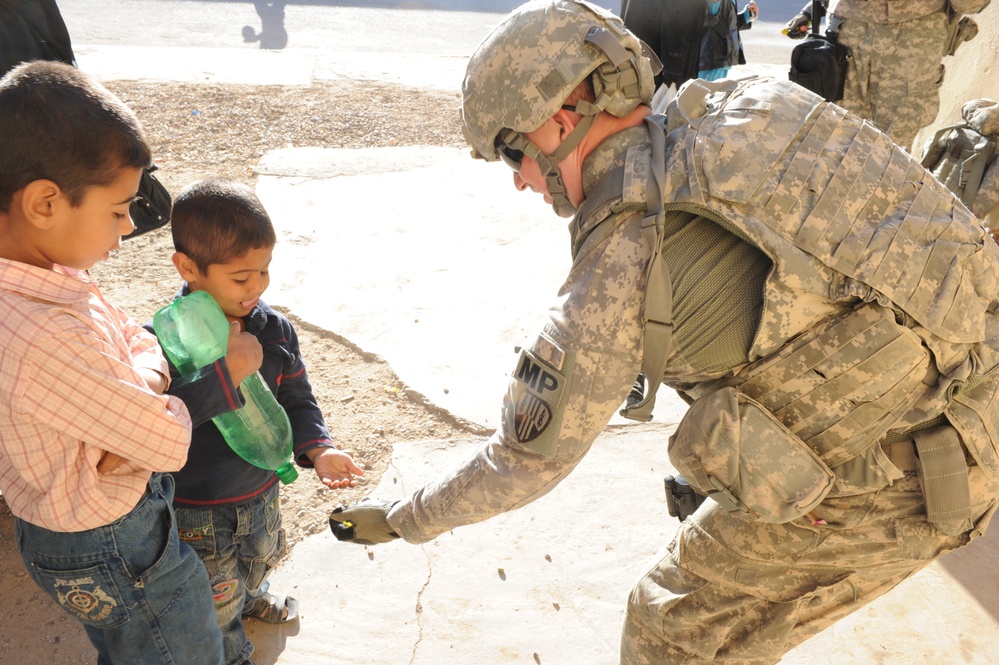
(214, 474)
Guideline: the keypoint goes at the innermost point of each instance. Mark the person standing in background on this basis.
(721, 45)
(693, 38)
(887, 38)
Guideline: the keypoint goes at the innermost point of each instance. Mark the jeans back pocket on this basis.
(89, 594)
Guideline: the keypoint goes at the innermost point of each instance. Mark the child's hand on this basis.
(109, 462)
(154, 380)
(244, 355)
(335, 468)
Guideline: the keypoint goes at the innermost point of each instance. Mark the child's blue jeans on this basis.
(239, 544)
(141, 594)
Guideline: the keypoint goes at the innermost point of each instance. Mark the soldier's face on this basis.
(529, 177)
(548, 138)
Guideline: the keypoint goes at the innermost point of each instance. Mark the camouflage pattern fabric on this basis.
(886, 11)
(738, 589)
(899, 11)
(542, 55)
(845, 218)
(960, 156)
(983, 115)
(895, 73)
(895, 68)
(844, 210)
(986, 204)
(580, 367)
(726, 590)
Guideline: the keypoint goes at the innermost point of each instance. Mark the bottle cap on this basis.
(287, 473)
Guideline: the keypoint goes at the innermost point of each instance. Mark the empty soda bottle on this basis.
(194, 332)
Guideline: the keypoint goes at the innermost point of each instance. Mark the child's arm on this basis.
(88, 391)
(155, 381)
(335, 468)
(313, 445)
(212, 390)
(146, 355)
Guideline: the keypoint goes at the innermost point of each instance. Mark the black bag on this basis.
(35, 30)
(32, 31)
(673, 30)
(819, 63)
(151, 209)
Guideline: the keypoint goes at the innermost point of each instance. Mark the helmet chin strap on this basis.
(548, 164)
(616, 78)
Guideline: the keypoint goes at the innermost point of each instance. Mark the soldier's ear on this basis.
(566, 121)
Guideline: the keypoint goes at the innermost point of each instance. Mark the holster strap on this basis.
(943, 472)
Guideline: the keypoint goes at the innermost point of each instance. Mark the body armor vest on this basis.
(848, 218)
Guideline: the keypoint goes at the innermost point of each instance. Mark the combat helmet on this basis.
(525, 69)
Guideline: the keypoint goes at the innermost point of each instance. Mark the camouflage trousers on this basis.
(895, 73)
(731, 590)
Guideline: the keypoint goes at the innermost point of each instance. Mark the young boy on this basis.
(85, 433)
(228, 509)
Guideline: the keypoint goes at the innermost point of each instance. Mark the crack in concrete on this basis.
(426, 583)
(419, 605)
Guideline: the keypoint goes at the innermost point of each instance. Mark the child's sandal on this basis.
(274, 608)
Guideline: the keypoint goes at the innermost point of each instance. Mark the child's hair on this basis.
(216, 220)
(59, 124)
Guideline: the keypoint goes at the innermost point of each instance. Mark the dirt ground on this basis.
(202, 130)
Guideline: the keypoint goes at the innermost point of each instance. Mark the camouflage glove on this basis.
(364, 523)
(797, 28)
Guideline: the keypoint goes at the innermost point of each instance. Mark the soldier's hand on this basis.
(797, 28)
(364, 523)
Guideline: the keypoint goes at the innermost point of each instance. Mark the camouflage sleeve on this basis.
(886, 12)
(986, 203)
(969, 6)
(562, 392)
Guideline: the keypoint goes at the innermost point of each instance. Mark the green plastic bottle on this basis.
(194, 332)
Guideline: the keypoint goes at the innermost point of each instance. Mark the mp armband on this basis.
(537, 395)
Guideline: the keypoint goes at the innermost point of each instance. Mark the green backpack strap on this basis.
(658, 321)
(657, 315)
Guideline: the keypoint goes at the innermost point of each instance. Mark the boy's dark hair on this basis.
(59, 124)
(216, 220)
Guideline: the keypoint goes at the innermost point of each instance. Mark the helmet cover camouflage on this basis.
(523, 71)
(982, 115)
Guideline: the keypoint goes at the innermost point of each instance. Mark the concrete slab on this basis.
(548, 583)
(179, 64)
(545, 584)
(249, 66)
(422, 256)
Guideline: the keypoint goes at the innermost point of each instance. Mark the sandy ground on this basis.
(202, 130)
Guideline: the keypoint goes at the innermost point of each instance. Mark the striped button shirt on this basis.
(69, 391)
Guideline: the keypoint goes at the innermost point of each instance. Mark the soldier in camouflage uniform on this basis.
(896, 48)
(964, 157)
(825, 305)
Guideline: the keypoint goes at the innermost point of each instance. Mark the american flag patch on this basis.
(531, 418)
